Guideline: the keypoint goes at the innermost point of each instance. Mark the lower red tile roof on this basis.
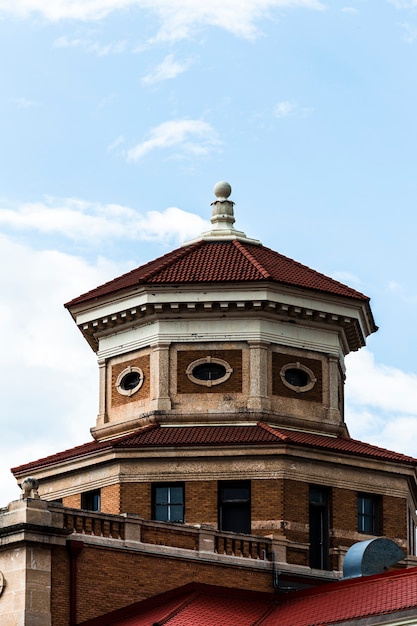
(223, 435)
(332, 603)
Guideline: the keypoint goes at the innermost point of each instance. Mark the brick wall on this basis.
(201, 502)
(394, 517)
(267, 504)
(72, 502)
(278, 387)
(344, 511)
(110, 499)
(143, 362)
(60, 586)
(127, 577)
(136, 498)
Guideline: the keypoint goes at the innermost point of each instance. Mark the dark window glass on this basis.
(209, 371)
(235, 506)
(168, 502)
(130, 381)
(368, 514)
(319, 527)
(296, 377)
(90, 500)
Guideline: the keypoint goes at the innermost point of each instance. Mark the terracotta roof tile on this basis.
(222, 435)
(221, 262)
(348, 600)
(331, 603)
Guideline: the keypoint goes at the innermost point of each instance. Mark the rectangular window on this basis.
(319, 530)
(168, 502)
(411, 529)
(235, 506)
(91, 500)
(368, 514)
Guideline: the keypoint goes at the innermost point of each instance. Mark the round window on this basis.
(298, 377)
(129, 381)
(209, 371)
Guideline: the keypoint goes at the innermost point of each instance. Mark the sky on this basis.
(117, 117)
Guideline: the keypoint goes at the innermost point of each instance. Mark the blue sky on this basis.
(117, 117)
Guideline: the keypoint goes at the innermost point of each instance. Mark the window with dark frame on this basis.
(411, 531)
(91, 500)
(235, 506)
(319, 526)
(369, 514)
(168, 502)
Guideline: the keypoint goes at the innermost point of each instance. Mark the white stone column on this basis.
(102, 417)
(259, 375)
(160, 398)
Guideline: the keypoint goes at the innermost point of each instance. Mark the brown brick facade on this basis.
(232, 357)
(278, 387)
(201, 502)
(60, 586)
(110, 499)
(136, 498)
(127, 577)
(278, 507)
(72, 502)
(143, 362)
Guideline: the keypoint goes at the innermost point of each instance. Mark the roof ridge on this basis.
(274, 431)
(182, 604)
(116, 441)
(240, 246)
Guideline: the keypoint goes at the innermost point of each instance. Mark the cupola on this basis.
(222, 330)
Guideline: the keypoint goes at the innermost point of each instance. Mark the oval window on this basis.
(209, 371)
(298, 377)
(129, 381)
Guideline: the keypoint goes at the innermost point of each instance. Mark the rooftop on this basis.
(222, 255)
(358, 600)
(259, 434)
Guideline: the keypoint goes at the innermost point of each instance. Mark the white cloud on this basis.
(167, 69)
(381, 403)
(87, 221)
(25, 103)
(48, 374)
(410, 32)
(94, 47)
(287, 108)
(347, 278)
(193, 137)
(284, 108)
(350, 10)
(178, 17)
(116, 143)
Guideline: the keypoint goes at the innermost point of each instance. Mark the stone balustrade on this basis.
(199, 538)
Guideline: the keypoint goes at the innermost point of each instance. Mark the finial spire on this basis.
(223, 218)
(222, 212)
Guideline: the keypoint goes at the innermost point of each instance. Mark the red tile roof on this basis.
(332, 603)
(221, 262)
(199, 436)
(353, 599)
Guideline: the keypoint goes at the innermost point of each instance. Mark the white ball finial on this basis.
(222, 189)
